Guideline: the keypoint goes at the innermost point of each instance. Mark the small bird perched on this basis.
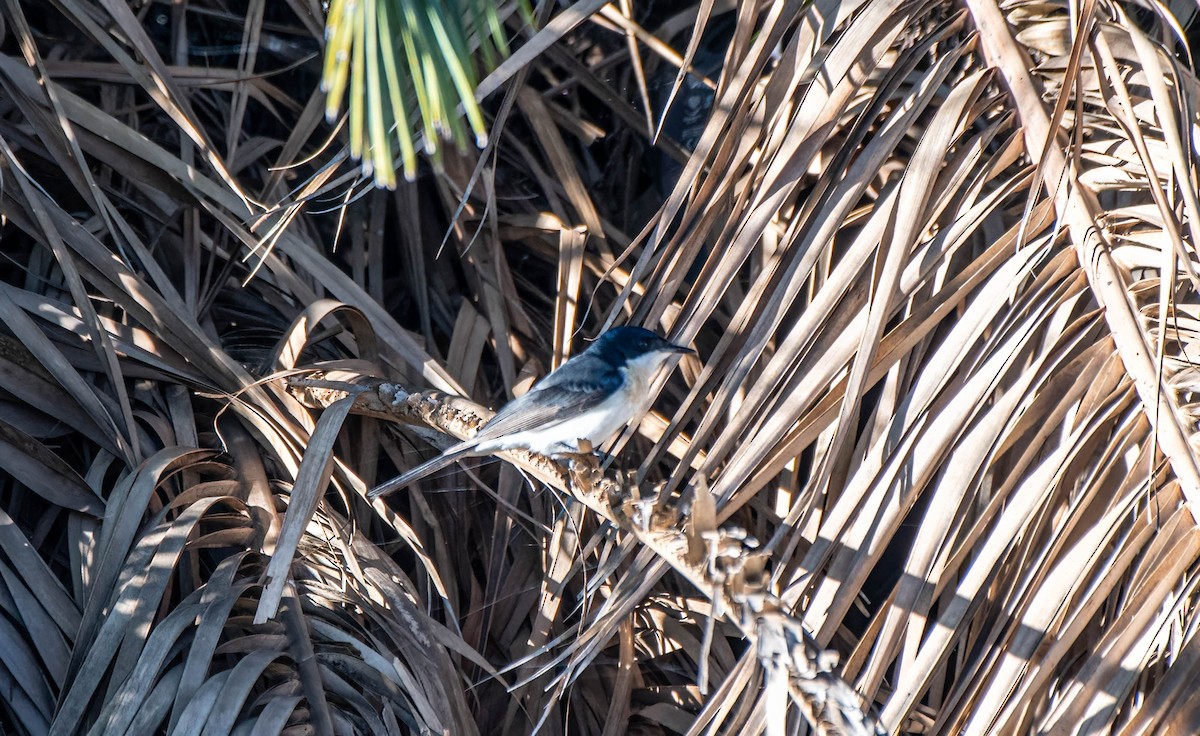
(588, 399)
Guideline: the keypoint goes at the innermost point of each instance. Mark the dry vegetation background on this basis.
(939, 263)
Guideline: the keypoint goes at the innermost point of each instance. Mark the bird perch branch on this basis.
(721, 563)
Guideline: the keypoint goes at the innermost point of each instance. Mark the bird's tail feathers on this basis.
(449, 457)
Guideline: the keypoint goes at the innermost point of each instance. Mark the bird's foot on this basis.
(584, 470)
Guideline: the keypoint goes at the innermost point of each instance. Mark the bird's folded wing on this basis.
(555, 399)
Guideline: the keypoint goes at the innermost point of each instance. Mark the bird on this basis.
(575, 408)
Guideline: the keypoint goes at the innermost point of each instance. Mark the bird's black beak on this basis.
(680, 349)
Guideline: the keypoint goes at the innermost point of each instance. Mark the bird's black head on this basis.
(622, 344)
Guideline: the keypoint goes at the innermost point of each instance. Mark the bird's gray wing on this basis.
(577, 386)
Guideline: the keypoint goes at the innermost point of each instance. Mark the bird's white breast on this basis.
(599, 424)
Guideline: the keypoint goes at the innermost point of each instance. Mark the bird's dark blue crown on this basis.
(622, 344)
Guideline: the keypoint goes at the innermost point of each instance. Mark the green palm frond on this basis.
(407, 69)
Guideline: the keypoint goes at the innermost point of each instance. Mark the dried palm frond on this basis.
(933, 469)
